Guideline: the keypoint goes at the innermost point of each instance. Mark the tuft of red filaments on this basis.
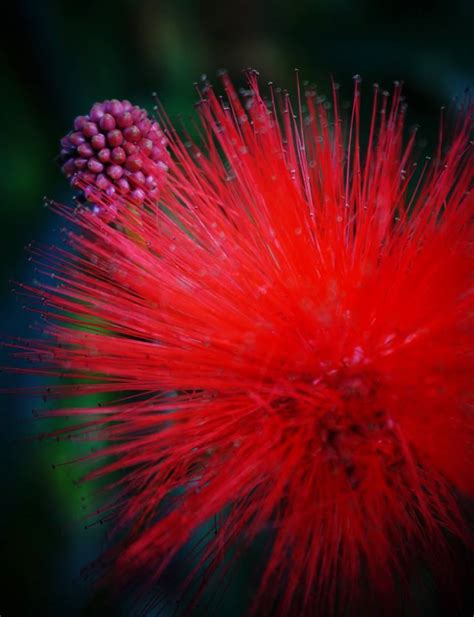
(287, 336)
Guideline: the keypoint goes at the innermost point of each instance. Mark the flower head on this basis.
(105, 152)
(289, 321)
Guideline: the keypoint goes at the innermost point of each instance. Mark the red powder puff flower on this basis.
(289, 328)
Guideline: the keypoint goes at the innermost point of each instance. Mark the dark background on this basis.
(57, 59)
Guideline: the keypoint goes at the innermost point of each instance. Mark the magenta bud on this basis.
(89, 192)
(85, 150)
(102, 182)
(132, 133)
(107, 122)
(98, 141)
(134, 163)
(80, 163)
(90, 129)
(104, 155)
(118, 155)
(114, 107)
(95, 166)
(114, 171)
(114, 138)
(144, 126)
(146, 146)
(80, 122)
(136, 114)
(77, 139)
(123, 184)
(138, 177)
(96, 112)
(130, 148)
(157, 153)
(125, 120)
(154, 134)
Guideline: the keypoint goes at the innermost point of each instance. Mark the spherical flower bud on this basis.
(107, 149)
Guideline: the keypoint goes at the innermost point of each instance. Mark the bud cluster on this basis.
(110, 149)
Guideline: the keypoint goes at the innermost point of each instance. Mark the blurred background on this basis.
(57, 59)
